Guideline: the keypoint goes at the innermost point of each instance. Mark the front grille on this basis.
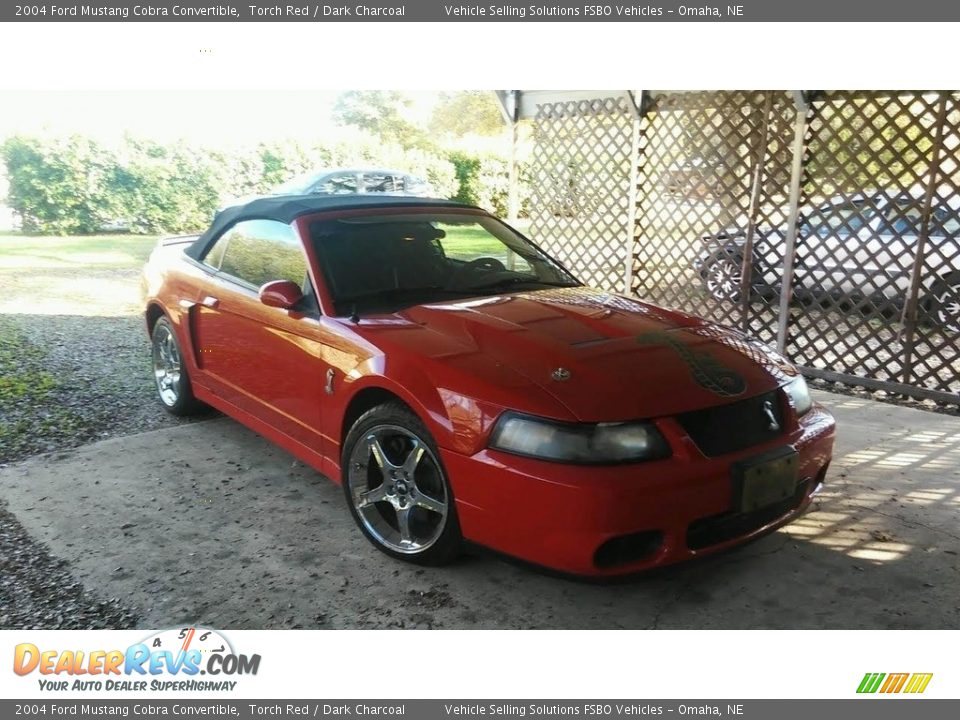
(733, 427)
(716, 529)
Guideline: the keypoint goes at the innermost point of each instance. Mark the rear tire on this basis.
(170, 374)
(396, 487)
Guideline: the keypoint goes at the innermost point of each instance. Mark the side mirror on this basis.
(281, 293)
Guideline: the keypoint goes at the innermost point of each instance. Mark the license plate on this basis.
(765, 480)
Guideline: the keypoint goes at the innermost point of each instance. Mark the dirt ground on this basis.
(210, 524)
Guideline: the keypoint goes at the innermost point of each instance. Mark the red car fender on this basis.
(455, 421)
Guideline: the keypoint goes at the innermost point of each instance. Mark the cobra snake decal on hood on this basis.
(706, 370)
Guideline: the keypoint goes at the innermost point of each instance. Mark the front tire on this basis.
(396, 487)
(170, 373)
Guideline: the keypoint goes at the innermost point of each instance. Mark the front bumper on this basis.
(616, 520)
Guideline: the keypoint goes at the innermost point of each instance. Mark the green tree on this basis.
(382, 114)
(167, 188)
(60, 185)
(470, 112)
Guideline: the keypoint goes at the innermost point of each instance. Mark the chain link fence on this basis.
(826, 225)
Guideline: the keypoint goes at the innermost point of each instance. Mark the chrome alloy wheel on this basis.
(166, 365)
(397, 489)
(723, 279)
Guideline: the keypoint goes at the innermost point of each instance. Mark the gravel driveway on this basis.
(74, 369)
(70, 380)
(37, 591)
(74, 356)
(94, 373)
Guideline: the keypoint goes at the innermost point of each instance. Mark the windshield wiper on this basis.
(392, 292)
(361, 299)
(364, 300)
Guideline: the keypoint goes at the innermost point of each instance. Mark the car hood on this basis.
(602, 356)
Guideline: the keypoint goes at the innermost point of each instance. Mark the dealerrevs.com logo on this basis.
(168, 660)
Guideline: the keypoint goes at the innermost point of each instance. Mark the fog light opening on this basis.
(628, 549)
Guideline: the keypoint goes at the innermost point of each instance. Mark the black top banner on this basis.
(465, 11)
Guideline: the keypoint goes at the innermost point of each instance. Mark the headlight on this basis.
(579, 443)
(800, 394)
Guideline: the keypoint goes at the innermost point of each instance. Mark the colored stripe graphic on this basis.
(870, 682)
(894, 682)
(918, 682)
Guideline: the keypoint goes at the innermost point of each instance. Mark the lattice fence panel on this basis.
(934, 355)
(876, 180)
(581, 186)
(713, 175)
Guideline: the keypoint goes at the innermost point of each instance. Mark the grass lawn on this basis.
(131, 251)
(470, 241)
(89, 251)
(80, 275)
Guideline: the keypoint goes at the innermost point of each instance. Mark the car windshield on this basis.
(296, 185)
(384, 263)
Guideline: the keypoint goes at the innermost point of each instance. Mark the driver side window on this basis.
(844, 218)
(260, 251)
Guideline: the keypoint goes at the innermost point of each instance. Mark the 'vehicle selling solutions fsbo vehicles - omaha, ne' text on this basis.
(462, 385)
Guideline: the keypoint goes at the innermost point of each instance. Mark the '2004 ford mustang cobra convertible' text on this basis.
(463, 386)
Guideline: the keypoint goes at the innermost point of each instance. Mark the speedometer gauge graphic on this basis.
(183, 639)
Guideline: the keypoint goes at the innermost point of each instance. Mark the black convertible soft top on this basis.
(287, 208)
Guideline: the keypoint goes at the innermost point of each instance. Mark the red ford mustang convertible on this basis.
(463, 386)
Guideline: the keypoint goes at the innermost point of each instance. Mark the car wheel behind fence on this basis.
(722, 276)
(945, 303)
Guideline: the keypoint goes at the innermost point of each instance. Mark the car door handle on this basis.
(210, 301)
